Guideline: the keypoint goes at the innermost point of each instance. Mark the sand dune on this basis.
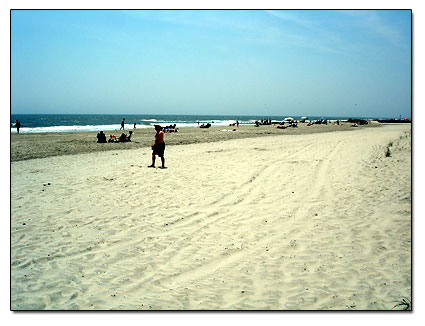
(310, 222)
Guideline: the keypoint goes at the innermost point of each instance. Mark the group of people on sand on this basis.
(121, 139)
(263, 122)
(158, 147)
(101, 138)
(170, 128)
(205, 125)
(291, 123)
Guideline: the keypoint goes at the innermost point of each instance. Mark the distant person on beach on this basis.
(18, 126)
(101, 137)
(122, 124)
(237, 123)
(158, 147)
(134, 127)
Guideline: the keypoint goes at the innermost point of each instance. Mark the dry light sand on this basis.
(302, 221)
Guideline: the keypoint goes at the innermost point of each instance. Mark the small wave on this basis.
(75, 128)
(149, 123)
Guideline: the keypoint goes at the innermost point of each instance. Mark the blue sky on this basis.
(269, 62)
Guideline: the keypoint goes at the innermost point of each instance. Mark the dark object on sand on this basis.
(360, 122)
(405, 120)
(405, 303)
(124, 138)
(101, 137)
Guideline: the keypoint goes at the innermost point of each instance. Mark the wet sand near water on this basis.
(38, 145)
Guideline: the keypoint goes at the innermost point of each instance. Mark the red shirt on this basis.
(159, 137)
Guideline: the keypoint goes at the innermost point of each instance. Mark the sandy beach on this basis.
(39, 145)
(253, 219)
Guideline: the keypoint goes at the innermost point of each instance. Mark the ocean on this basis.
(31, 123)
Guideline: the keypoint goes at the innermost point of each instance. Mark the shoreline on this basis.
(40, 145)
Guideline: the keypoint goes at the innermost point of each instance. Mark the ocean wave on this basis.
(142, 125)
(70, 128)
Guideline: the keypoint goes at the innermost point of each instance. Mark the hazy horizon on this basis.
(255, 62)
(260, 116)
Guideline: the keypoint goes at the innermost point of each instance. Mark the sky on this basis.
(254, 62)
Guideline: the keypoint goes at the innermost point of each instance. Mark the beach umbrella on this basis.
(289, 118)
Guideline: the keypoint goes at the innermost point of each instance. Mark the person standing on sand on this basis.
(18, 126)
(122, 124)
(158, 147)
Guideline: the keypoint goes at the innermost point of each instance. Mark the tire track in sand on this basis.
(204, 220)
(320, 190)
(230, 199)
(260, 176)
